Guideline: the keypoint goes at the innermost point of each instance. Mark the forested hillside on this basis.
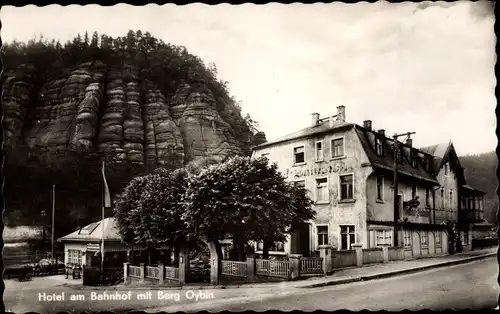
(135, 101)
(480, 173)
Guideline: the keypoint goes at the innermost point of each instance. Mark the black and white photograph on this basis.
(197, 157)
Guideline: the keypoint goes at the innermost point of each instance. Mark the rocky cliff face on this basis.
(111, 109)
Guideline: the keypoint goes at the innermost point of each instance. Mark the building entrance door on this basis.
(300, 240)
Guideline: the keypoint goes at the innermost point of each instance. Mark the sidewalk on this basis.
(340, 276)
(256, 292)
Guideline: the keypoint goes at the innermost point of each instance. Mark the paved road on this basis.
(471, 285)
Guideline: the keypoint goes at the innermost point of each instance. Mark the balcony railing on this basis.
(416, 211)
(470, 215)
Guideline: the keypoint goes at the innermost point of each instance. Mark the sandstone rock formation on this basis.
(111, 109)
(17, 96)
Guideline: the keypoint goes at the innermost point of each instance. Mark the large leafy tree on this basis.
(246, 198)
(149, 210)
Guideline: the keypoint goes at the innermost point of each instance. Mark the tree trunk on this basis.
(176, 257)
(218, 249)
(238, 246)
(168, 257)
(265, 249)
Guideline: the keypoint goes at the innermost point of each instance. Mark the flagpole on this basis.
(53, 216)
(102, 223)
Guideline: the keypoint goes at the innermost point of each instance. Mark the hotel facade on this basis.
(348, 171)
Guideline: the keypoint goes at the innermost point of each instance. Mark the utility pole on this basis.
(396, 199)
(53, 216)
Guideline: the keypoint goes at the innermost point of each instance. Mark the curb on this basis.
(297, 284)
(398, 272)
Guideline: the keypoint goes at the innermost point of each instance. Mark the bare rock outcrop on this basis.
(64, 115)
(115, 111)
(204, 132)
(17, 96)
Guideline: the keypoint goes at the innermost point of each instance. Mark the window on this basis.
(442, 198)
(466, 237)
(469, 203)
(380, 188)
(413, 191)
(379, 147)
(322, 190)
(299, 155)
(383, 237)
(347, 237)
(438, 238)
(346, 187)
(75, 257)
(337, 147)
(427, 197)
(413, 157)
(399, 155)
(407, 238)
(319, 151)
(446, 169)
(423, 238)
(450, 204)
(300, 184)
(322, 235)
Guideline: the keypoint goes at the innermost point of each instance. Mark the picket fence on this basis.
(233, 268)
(311, 266)
(265, 267)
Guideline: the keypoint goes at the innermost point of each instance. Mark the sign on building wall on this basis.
(93, 247)
(334, 167)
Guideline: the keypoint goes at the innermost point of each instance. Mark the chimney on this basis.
(341, 113)
(381, 132)
(409, 142)
(367, 124)
(315, 119)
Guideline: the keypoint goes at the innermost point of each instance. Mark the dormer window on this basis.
(414, 159)
(379, 147)
(399, 155)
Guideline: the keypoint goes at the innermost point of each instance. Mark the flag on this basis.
(107, 196)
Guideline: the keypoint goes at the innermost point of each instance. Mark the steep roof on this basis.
(322, 127)
(93, 232)
(473, 190)
(386, 161)
(437, 150)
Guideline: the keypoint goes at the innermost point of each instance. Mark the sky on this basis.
(421, 67)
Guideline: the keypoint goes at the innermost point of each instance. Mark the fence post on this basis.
(126, 278)
(142, 272)
(161, 273)
(183, 265)
(325, 252)
(250, 269)
(294, 272)
(385, 252)
(358, 247)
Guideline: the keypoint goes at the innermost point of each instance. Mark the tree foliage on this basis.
(246, 198)
(149, 210)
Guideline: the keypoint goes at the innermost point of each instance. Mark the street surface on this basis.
(471, 285)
